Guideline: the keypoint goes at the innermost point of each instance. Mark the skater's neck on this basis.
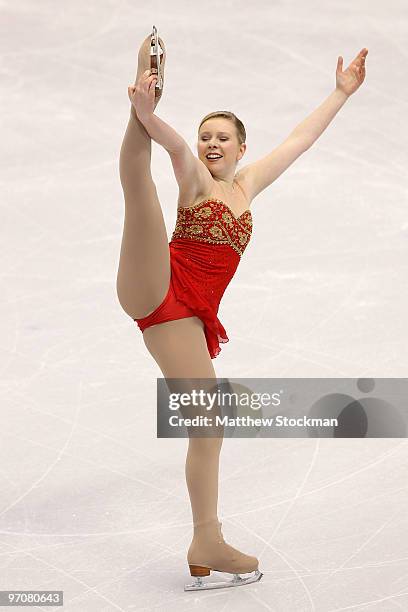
(228, 185)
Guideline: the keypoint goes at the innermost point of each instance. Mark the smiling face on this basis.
(219, 135)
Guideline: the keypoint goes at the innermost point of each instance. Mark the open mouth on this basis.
(213, 159)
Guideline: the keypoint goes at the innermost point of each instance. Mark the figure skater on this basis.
(173, 290)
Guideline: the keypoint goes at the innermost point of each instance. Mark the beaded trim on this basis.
(228, 229)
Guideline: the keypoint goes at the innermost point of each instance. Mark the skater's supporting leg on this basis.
(202, 473)
(180, 350)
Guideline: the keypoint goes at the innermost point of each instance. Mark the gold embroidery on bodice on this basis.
(213, 221)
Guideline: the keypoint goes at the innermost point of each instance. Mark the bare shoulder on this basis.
(243, 178)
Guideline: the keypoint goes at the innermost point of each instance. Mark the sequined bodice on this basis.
(213, 221)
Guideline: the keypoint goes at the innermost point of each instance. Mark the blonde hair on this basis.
(241, 133)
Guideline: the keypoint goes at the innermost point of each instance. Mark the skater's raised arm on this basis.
(347, 83)
(190, 172)
(263, 172)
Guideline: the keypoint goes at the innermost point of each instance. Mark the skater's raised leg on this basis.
(144, 266)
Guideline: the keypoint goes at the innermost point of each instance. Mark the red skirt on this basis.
(199, 276)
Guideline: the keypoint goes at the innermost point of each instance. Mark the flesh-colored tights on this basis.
(178, 347)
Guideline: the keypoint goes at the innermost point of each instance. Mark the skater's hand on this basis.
(142, 95)
(351, 79)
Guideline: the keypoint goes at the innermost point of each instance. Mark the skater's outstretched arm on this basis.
(263, 172)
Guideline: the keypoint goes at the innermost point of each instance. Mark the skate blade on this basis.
(156, 51)
(200, 585)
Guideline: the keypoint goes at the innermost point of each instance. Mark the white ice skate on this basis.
(237, 580)
(155, 60)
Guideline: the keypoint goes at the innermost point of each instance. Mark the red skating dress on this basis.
(205, 249)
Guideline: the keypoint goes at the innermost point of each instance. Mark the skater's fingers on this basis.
(146, 78)
(142, 78)
(147, 84)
